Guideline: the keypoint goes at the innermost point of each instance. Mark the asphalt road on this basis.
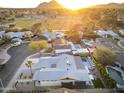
(18, 55)
(120, 57)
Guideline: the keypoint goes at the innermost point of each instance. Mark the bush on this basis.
(24, 29)
(104, 55)
(48, 50)
(98, 84)
(82, 54)
(89, 36)
(110, 83)
(38, 45)
(12, 30)
(6, 38)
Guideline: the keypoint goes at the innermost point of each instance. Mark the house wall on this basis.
(52, 83)
(48, 83)
(62, 50)
(80, 51)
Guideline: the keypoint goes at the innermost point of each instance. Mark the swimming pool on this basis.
(116, 75)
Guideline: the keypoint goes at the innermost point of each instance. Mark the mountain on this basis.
(50, 5)
(110, 5)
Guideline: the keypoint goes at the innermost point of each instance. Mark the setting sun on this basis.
(76, 4)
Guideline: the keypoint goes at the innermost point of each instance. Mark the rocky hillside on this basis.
(50, 5)
(110, 5)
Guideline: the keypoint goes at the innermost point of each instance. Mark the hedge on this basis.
(97, 83)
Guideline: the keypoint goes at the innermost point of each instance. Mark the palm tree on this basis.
(29, 65)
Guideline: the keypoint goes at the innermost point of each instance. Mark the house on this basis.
(121, 32)
(77, 48)
(88, 42)
(53, 35)
(3, 27)
(19, 34)
(64, 46)
(61, 46)
(103, 40)
(15, 34)
(16, 41)
(60, 71)
(105, 33)
(49, 35)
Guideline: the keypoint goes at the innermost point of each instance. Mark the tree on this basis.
(73, 36)
(90, 34)
(38, 45)
(15, 29)
(107, 23)
(104, 55)
(37, 28)
(29, 65)
(6, 38)
(28, 35)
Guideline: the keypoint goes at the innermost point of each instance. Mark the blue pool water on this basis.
(115, 75)
(84, 60)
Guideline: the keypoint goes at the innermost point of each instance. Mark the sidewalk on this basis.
(22, 66)
(119, 43)
(4, 56)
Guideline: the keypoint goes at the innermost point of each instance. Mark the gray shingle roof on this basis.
(65, 68)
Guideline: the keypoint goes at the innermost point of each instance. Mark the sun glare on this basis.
(75, 4)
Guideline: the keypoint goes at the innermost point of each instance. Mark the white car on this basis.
(16, 42)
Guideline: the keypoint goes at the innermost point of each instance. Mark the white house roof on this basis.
(48, 75)
(2, 33)
(60, 75)
(53, 35)
(49, 35)
(17, 39)
(15, 34)
(88, 42)
(57, 61)
(108, 32)
(60, 67)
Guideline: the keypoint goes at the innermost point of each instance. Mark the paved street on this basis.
(121, 58)
(18, 54)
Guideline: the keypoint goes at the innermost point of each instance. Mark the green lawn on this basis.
(25, 23)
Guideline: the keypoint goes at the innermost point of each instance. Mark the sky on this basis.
(65, 3)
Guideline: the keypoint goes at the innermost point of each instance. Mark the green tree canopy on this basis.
(37, 28)
(38, 45)
(29, 65)
(73, 36)
(104, 55)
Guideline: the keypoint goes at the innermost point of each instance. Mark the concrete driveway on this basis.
(18, 55)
